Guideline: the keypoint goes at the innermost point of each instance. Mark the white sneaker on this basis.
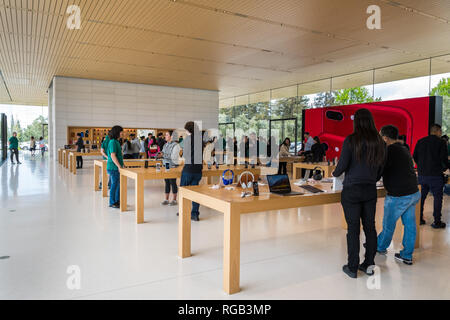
(173, 203)
(165, 203)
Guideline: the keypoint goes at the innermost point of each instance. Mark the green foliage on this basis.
(353, 96)
(35, 130)
(443, 90)
(324, 99)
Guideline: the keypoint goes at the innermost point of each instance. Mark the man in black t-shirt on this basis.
(400, 182)
(431, 157)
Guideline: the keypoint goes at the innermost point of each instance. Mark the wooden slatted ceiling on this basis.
(235, 46)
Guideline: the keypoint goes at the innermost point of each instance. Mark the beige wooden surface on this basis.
(74, 154)
(310, 166)
(100, 170)
(232, 206)
(142, 174)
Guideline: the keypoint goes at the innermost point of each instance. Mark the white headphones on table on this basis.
(249, 181)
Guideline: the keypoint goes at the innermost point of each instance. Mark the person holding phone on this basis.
(362, 161)
(171, 159)
(115, 161)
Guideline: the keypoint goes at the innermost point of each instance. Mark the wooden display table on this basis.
(60, 155)
(311, 166)
(65, 157)
(74, 154)
(140, 175)
(232, 206)
(100, 166)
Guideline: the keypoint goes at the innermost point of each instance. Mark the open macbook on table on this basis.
(280, 184)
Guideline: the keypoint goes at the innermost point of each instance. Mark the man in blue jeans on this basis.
(431, 157)
(403, 194)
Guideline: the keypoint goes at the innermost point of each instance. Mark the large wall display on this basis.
(413, 118)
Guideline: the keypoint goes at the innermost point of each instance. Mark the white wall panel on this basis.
(83, 102)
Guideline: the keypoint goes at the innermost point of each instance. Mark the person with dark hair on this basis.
(171, 156)
(193, 168)
(104, 152)
(402, 140)
(431, 157)
(400, 182)
(362, 160)
(446, 139)
(41, 143)
(14, 148)
(80, 147)
(146, 144)
(153, 148)
(160, 140)
(127, 150)
(135, 146)
(115, 161)
(284, 153)
(309, 142)
(33, 146)
(317, 150)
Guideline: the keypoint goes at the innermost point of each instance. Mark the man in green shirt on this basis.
(104, 152)
(115, 161)
(14, 147)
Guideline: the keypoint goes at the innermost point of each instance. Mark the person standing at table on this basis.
(14, 148)
(284, 153)
(160, 140)
(80, 147)
(153, 148)
(171, 157)
(193, 168)
(362, 160)
(115, 162)
(400, 182)
(127, 150)
(431, 157)
(135, 146)
(104, 152)
(142, 147)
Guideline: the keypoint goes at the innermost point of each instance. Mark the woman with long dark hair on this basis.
(284, 153)
(115, 162)
(362, 160)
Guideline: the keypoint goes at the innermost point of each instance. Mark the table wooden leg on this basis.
(123, 193)
(105, 180)
(209, 180)
(184, 227)
(74, 167)
(96, 178)
(295, 172)
(231, 251)
(139, 200)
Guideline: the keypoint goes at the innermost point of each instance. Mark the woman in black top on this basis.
(362, 160)
(317, 150)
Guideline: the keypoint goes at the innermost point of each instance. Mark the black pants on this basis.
(15, 152)
(359, 203)
(436, 186)
(283, 168)
(79, 162)
(128, 156)
(171, 184)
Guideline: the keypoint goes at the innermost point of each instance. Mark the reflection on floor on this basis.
(51, 220)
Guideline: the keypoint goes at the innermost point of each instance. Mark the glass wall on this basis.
(414, 79)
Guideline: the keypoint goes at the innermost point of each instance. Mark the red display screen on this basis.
(413, 118)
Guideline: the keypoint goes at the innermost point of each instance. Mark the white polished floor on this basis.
(51, 220)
